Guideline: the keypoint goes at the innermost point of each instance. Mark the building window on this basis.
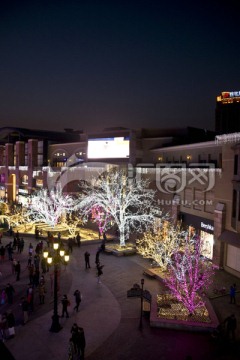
(234, 204)
(209, 202)
(235, 164)
(198, 200)
(24, 180)
(188, 197)
(40, 159)
(220, 161)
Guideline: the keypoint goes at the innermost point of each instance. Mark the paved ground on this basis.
(109, 318)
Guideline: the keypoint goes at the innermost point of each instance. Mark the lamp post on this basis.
(141, 313)
(56, 258)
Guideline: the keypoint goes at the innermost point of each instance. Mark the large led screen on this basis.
(106, 148)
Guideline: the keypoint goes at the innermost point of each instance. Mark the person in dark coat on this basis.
(233, 294)
(77, 295)
(99, 272)
(78, 238)
(231, 324)
(87, 260)
(81, 342)
(65, 304)
(74, 337)
(18, 270)
(9, 292)
(97, 261)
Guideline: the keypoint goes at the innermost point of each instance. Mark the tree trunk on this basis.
(122, 237)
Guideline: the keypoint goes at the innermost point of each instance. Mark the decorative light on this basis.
(49, 260)
(56, 246)
(66, 257)
(62, 252)
(128, 201)
(45, 254)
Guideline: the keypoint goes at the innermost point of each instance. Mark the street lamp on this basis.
(141, 313)
(56, 257)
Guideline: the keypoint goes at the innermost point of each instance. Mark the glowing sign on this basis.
(230, 94)
(108, 148)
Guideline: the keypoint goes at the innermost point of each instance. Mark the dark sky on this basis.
(91, 64)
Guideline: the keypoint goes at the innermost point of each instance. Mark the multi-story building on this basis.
(23, 156)
(198, 184)
(227, 112)
(196, 176)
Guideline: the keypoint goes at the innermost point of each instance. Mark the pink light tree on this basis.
(102, 218)
(190, 274)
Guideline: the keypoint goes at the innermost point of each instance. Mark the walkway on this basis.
(110, 319)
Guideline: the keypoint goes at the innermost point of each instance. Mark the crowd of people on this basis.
(20, 299)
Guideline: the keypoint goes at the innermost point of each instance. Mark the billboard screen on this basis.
(108, 148)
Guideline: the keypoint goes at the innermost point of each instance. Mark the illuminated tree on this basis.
(189, 274)
(128, 203)
(49, 207)
(72, 222)
(159, 245)
(101, 218)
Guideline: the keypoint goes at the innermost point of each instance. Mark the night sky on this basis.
(95, 64)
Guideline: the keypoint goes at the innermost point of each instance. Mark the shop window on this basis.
(233, 257)
(24, 180)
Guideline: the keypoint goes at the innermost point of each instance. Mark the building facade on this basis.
(196, 176)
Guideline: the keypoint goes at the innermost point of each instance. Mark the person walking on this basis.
(78, 299)
(41, 293)
(99, 272)
(18, 270)
(97, 261)
(231, 323)
(11, 323)
(81, 342)
(9, 292)
(65, 304)
(74, 337)
(233, 294)
(25, 306)
(87, 260)
(78, 238)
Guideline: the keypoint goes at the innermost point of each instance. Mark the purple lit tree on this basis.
(190, 274)
(102, 218)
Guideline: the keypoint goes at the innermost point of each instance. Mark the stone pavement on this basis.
(110, 319)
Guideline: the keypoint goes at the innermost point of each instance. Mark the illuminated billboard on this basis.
(108, 148)
(228, 95)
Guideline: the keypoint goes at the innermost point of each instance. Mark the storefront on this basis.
(204, 228)
(23, 196)
(232, 245)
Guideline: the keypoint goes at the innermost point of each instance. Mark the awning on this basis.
(230, 237)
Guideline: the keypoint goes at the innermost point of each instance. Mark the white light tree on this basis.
(160, 244)
(50, 206)
(128, 203)
(190, 274)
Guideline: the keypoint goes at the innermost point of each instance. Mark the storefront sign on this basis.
(207, 226)
(198, 223)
